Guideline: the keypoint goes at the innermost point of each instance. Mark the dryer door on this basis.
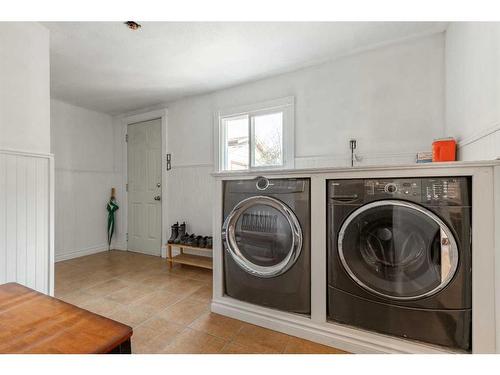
(397, 250)
(263, 236)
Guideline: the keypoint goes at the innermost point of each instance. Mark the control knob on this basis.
(390, 188)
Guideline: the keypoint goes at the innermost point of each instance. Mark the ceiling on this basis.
(107, 67)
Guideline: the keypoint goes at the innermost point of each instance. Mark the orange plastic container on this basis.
(444, 150)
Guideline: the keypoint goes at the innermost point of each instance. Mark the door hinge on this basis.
(126, 236)
(169, 161)
(126, 137)
(126, 188)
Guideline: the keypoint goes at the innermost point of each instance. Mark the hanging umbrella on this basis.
(112, 206)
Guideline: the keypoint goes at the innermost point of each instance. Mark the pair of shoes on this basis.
(205, 242)
(185, 238)
(194, 240)
(178, 231)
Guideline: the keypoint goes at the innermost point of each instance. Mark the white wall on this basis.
(83, 144)
(473, 88)
(391, 99)
(26, 167)
(24, 87)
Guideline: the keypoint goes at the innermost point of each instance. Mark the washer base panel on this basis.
(450, 328)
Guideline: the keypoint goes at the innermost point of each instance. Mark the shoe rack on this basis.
(189, 259)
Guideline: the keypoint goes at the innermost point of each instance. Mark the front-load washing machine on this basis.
(266, 240)
(399, 257)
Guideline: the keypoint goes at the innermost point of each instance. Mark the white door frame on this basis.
(132, 119)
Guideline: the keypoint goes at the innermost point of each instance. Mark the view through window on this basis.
(253, 141)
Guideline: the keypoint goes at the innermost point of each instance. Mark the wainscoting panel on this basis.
(26, 217)
(190, 191)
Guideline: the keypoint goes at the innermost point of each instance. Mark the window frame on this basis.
(285, 105)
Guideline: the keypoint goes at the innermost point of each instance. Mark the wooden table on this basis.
(31, 322)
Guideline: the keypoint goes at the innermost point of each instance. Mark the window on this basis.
(256, 137)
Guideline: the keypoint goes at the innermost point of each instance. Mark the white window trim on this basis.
(287, 105)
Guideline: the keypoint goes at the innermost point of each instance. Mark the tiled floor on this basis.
(168, 309)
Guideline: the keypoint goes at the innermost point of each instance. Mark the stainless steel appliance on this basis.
(266, 242)
(399, 257)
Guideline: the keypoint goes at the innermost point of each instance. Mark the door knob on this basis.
(157, 198)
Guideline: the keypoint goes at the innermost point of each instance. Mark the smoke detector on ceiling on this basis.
(132, 25)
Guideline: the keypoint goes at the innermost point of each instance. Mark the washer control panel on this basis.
(409, 189)
(436, 191)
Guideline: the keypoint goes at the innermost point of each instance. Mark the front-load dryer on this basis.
(399, 257)
(266, 240)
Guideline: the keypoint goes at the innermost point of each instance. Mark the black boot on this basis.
(209, 243)
(175, 232)
(199, 241)
(181, 232)
(203, 242)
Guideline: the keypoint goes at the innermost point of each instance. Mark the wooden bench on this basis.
(32, 322)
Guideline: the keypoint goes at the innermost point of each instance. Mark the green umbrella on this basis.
(112, 206)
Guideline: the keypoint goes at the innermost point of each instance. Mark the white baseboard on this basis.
(81, 252)
(335, 335)
(119, 246)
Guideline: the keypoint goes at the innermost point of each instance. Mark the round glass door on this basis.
(397, 250)
(263, 236)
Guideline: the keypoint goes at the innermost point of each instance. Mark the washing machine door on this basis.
(263, 236)
(397, 250)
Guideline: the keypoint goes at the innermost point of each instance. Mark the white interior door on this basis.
(144, 187)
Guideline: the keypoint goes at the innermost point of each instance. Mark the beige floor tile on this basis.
(63, 289)
(143, 335)
(157, 281)
(162, 326)
(101, 306)
(183, 287)
(190, 341)
(185, 311)
(261, 339)
(89, 281)
(106, 287)
(159, 300)
(154, 335)
(160, 342)
(203, 294)
(135, 276)
(131, 315)
(234, 348)
(199, 274)
(78, 298)
(297, 345)
(217, 325)
(131, 294)
(142, 349)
